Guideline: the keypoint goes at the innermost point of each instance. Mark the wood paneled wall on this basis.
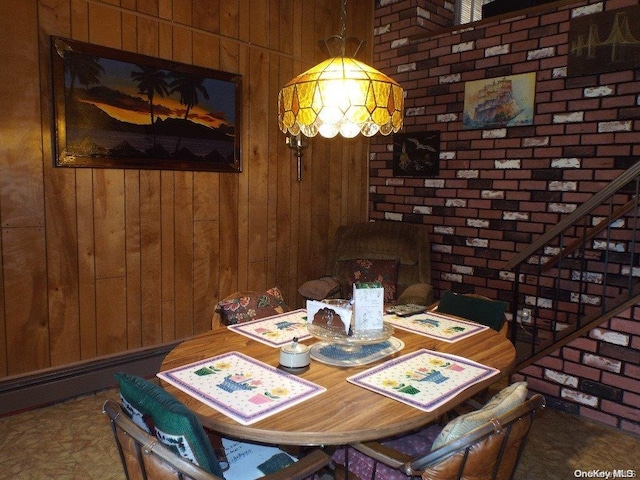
(101, 261)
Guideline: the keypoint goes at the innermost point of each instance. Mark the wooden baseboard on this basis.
(24, 392)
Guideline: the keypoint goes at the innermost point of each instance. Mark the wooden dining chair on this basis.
(490, 451)
(144, 457)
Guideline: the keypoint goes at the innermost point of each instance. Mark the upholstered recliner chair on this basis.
(395, 253)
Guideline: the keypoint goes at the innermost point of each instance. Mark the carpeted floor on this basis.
(563, 446)
(72, 440)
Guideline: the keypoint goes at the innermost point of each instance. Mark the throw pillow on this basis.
(173, 423)
(480, 310)
(508, 398)
(252, 306)
(383, 271)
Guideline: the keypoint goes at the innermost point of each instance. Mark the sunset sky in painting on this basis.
(133, 107)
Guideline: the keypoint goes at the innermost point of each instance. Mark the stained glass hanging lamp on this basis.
(341, 96)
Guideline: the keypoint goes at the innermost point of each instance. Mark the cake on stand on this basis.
(341, 347)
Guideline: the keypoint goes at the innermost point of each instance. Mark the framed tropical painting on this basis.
(116, 109)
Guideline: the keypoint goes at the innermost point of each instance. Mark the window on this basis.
(468, 11)
(473, 10)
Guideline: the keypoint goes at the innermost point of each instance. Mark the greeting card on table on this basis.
(436, 325)
(368, 306)
(241, 387)
(277, 330)
(423, 379)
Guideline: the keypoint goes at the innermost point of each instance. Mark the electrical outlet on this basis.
(524, 316)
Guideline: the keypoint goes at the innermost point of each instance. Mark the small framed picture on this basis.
(499, 102)
(416, 154)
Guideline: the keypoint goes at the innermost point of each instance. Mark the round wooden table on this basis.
(345, 413)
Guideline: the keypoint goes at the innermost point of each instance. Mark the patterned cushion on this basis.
(173, 423)
(480, 310)
(251, 306)
(362, 466)
(383, 271)
(508, 398)
(415, 445)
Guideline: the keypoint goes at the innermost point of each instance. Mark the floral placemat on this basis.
(277, 330)
(241, 387)
(436, 325)
(338, 355)
(423, 379)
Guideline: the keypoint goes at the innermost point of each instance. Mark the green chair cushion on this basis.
(173, 423)
(479, 310)
(505, 400)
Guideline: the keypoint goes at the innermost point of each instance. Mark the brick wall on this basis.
(499, 188)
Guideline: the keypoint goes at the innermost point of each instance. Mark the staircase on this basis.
(580, 273)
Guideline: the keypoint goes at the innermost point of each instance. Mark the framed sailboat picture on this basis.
(499, 102)
(116, 109)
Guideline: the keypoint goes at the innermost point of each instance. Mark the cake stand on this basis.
(359, 348)
(354, 340)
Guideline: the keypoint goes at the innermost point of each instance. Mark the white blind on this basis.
(469, 10)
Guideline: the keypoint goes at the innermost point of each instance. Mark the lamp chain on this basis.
(343, 24)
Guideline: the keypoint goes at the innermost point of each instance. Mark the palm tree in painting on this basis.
(83, 69)
(189, 87)
(151, 81)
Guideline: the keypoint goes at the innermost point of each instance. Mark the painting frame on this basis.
(506, 101)
(589, 51)
(118, 109)
(416, 154)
